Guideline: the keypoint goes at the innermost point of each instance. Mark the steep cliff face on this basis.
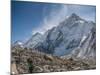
(87, 46)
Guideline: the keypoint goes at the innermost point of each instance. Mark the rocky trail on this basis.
(14, 69)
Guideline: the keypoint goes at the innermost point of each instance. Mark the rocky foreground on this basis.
(32, 61)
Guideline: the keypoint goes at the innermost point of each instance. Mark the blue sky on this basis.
(31, 17)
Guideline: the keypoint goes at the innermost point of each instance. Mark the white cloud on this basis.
(57, 15)
(53, 19)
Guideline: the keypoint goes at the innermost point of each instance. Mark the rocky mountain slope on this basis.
(24, 59)
(17, 44)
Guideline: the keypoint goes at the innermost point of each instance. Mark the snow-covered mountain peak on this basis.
(67, 36)
(72, 20)
(37, 34)
(74, 17)
(18, 43)
(33, 40)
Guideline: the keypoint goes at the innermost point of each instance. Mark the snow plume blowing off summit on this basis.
(58, 13)
(53, 19)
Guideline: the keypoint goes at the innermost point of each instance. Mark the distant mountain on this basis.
(17, 44)
(33, 41)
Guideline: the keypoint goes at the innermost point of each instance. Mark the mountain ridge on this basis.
(63, 39)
